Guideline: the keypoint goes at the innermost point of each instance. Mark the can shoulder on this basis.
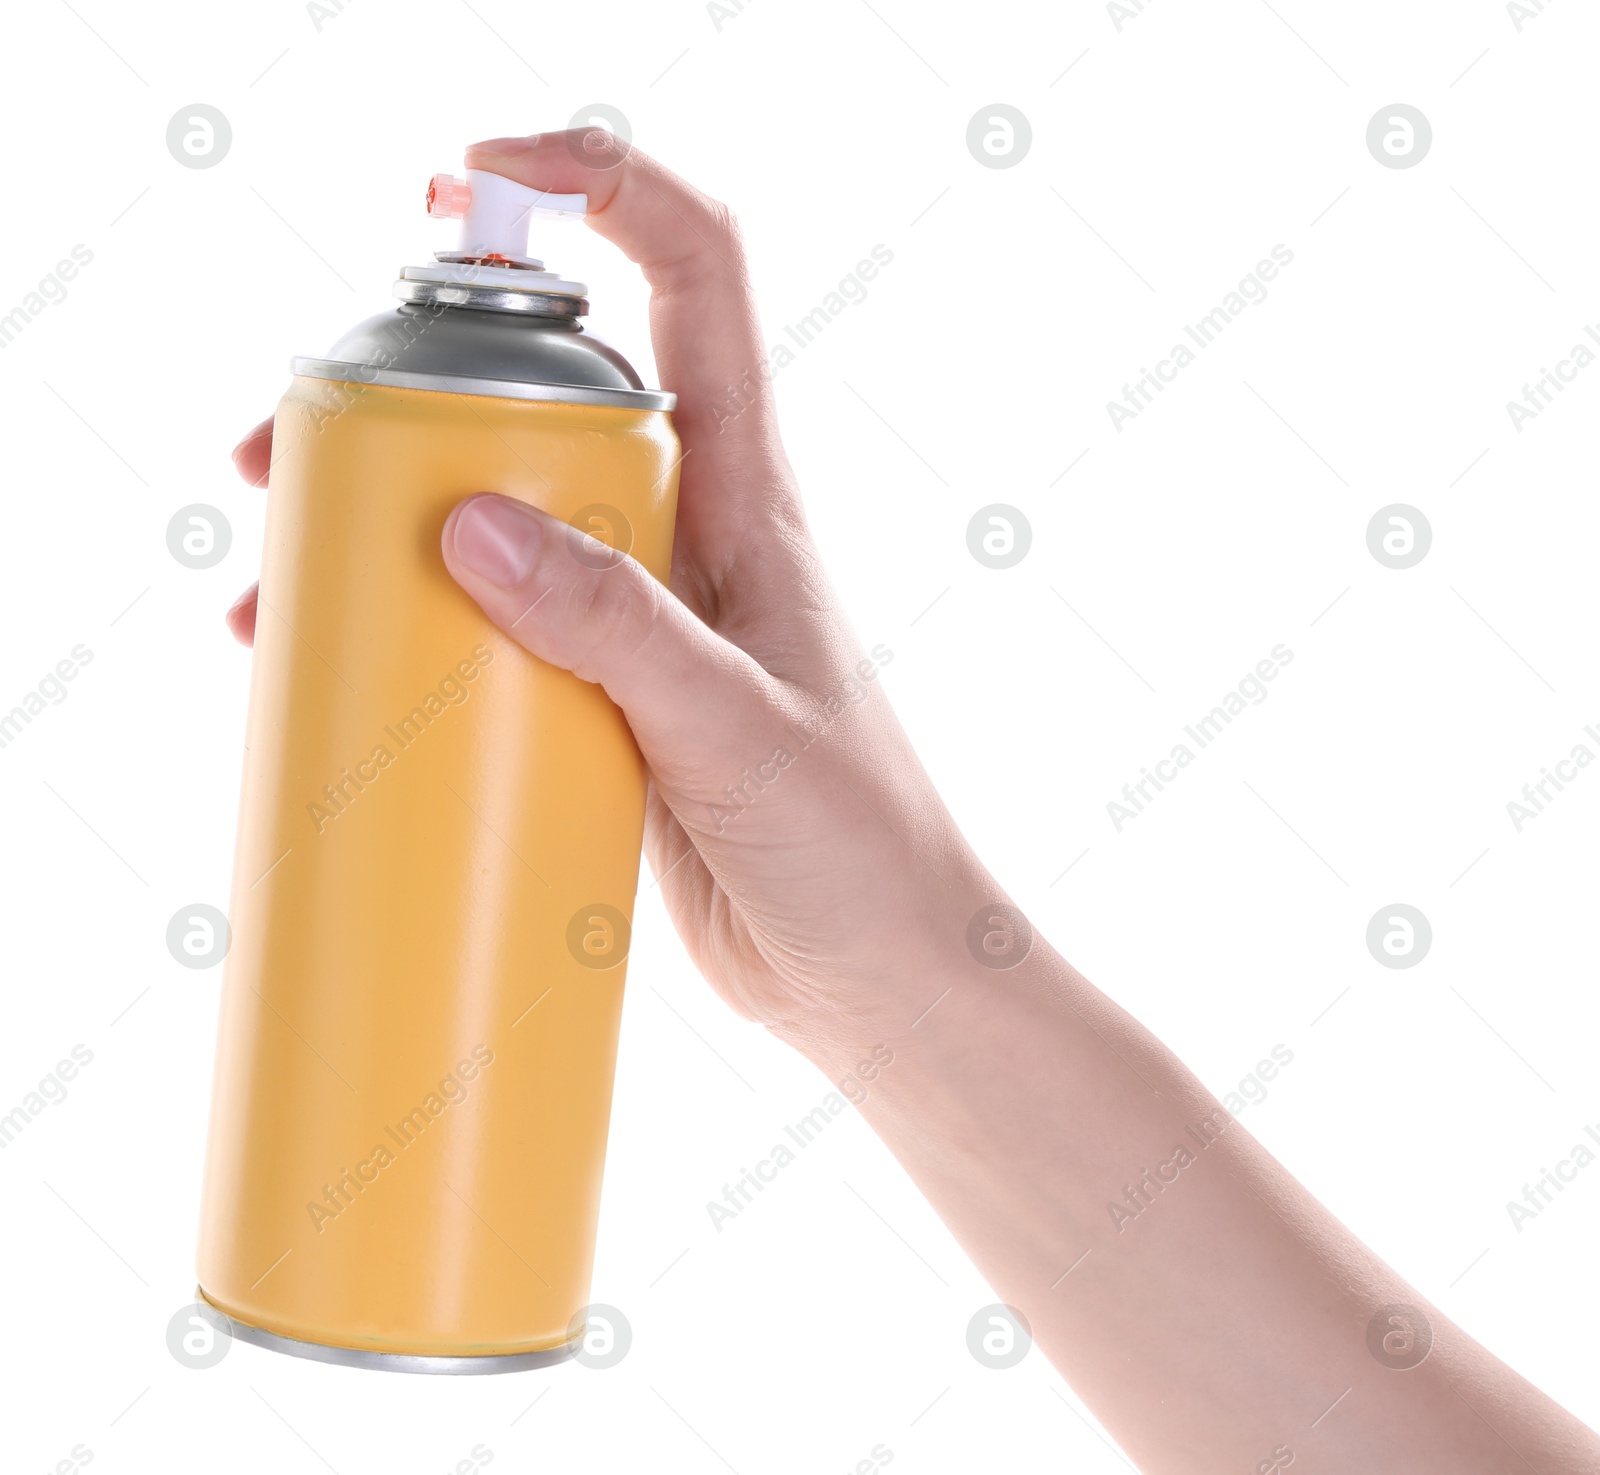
(458, 341)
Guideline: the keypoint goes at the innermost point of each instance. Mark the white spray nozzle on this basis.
(495, 212)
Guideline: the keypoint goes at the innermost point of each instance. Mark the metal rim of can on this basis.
(493, 299)
(394, 1362)
(560, 394)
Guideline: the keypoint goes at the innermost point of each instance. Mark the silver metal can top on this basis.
(476, 328)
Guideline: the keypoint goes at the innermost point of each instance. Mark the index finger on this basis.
(703, 319)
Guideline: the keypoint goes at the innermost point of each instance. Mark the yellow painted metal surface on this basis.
(422, 995)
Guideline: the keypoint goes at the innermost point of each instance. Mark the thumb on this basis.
(692, 699)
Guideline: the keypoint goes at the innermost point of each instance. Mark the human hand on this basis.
(830, 897)
(808, 864)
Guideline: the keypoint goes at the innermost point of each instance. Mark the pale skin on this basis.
(1226, 1309)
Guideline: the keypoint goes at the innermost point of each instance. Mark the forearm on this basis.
(1203, 1304)
(1209, 1310)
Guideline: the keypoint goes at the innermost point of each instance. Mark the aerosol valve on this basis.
(495, 213)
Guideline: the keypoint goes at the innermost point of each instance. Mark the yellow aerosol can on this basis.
(439, 837)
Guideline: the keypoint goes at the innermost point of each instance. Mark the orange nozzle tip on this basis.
(448, 197)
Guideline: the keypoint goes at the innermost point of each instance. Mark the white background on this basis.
(1167, 159)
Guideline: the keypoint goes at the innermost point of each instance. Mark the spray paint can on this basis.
(439, 836)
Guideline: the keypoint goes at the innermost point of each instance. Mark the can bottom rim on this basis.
(393, 1362)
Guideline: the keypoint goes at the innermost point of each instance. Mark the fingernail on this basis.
(505, 145)
(497, 539)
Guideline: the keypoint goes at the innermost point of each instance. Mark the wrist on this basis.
(949, 932)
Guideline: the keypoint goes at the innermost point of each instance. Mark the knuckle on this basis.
(710, 244)
(724, 221)
(616, 611)
(724, 231)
